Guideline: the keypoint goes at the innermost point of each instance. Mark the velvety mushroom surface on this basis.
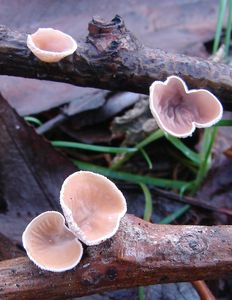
(92, 205)
(50, 244)
(51, 45)
(178, 110)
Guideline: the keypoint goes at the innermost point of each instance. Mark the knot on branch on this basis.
(98, 26)
(110, 36)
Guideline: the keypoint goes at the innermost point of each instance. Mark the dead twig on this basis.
(112, 58)
(192, 201)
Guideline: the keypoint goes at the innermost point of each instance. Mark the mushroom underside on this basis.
(50, 244)
(53, 41)
(95, 204)
(179, 111)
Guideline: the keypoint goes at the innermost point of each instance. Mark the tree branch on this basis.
(140, 253)
(112, 58)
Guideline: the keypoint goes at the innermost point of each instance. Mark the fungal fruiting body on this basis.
(51, 45)
(178, 111)
(50, 244)
(93, 206)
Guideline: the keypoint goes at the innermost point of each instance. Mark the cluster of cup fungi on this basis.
(92, 204)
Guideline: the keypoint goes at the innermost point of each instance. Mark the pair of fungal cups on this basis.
(93, 207)
(177, 110)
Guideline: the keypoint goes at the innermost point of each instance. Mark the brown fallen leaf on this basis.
(31, 173)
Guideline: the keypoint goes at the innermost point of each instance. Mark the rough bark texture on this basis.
(8, 249)
(140, 253)
(112, 58)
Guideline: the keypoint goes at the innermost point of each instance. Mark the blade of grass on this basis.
(141, 293)
(221, 14)
(223, 123)
(193, 156)
(116, 150)
(176, 214)
(146, 157)
(207, 145)
(148, 202)
(165, 183)
(184, 161)
(33, 120)
(228, 29)
(151, 138)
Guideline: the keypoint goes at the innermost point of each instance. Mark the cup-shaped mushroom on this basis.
(51, 45)
(178, 111)
(93, 206)
(50, 244)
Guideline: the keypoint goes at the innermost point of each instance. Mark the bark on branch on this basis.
(140, 253)
(112, 58)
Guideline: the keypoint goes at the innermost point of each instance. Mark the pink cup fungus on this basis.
(51, 45)
(93, 206)
(178, 111)
(50, 244)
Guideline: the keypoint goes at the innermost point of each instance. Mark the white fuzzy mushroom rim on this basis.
(178, 111)
(51, 45)
(93, 206)
(50, 244)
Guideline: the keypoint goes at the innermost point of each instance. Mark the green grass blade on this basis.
(33, 120)
(115, 150)
(146, 157)
(207, 145)
(178, 213)
(228, 29)
(148, 202)
(141, 294)
(164, 183)
(223, 123)
(193, 156)
(151, 138)
(221, 14)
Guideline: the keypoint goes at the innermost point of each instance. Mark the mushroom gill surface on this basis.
(50, 244)
(92, 205)
(179, 111)
(51, 45)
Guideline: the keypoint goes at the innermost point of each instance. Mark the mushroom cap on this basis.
(93, 206)
(178, 111)
(51, 45)
(50, 244)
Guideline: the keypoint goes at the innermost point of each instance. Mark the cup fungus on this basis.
(50, 244)
(93, 206)
(51, 45)
(178, 111)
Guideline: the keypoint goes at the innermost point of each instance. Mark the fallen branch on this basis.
(140, 253)
(172, 196)
(112, 58)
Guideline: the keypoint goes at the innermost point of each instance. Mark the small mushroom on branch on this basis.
(93, 206)
(51, 45)
(178, 111)
(50, 244)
